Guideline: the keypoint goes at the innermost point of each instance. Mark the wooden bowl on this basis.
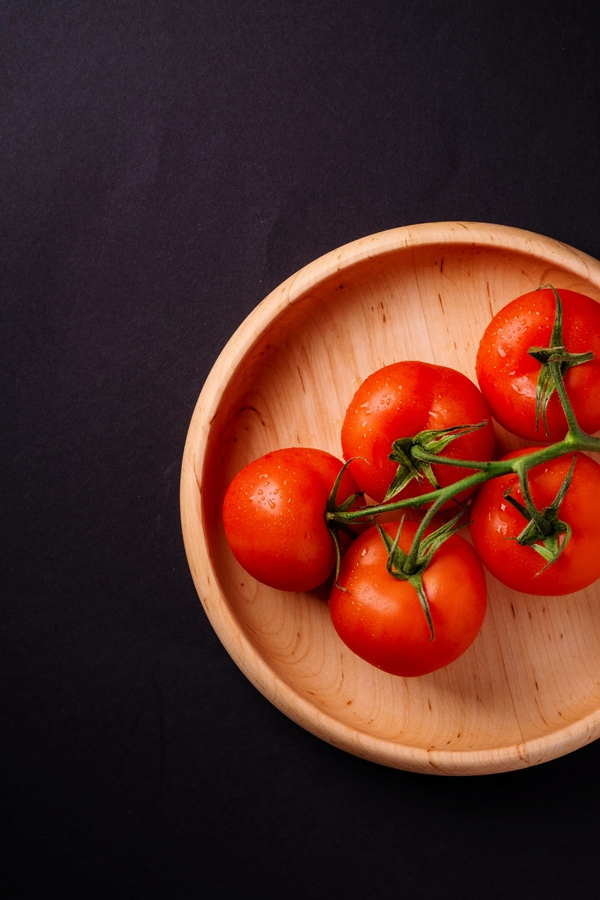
(528, 690)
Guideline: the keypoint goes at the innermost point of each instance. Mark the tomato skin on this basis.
(400, 400)
(494, 522)
(508, 375)
(381, 619)
(274, 517)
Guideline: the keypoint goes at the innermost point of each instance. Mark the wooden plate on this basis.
(528, 690)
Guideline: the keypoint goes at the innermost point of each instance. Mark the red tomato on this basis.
(274, 517)
(381, 619)
(495, 523)
(401, 400)
(508, 375)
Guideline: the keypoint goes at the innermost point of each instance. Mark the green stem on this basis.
(543, 525)
(576, 439)
(559, 382)
(441, 494)
(413, 553)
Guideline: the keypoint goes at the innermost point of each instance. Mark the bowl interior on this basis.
(529, 688)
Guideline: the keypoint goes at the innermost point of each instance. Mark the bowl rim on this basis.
(318, 722)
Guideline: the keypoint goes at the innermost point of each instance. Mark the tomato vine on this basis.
(543, 529)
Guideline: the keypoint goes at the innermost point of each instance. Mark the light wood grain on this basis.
(528, 690)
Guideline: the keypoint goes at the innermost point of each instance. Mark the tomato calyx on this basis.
(429, 441)
(411, 566)
(545, 532)
(555, 361)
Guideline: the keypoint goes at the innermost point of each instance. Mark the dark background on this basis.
(163, 166)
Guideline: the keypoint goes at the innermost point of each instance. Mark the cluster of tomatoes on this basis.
(409, 593)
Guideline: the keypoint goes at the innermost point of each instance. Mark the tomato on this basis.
(274, 517)
(508, 375)
(381, 618)
(401, 400)
(496, 523)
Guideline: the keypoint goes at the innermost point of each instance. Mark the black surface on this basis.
(163, 166)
